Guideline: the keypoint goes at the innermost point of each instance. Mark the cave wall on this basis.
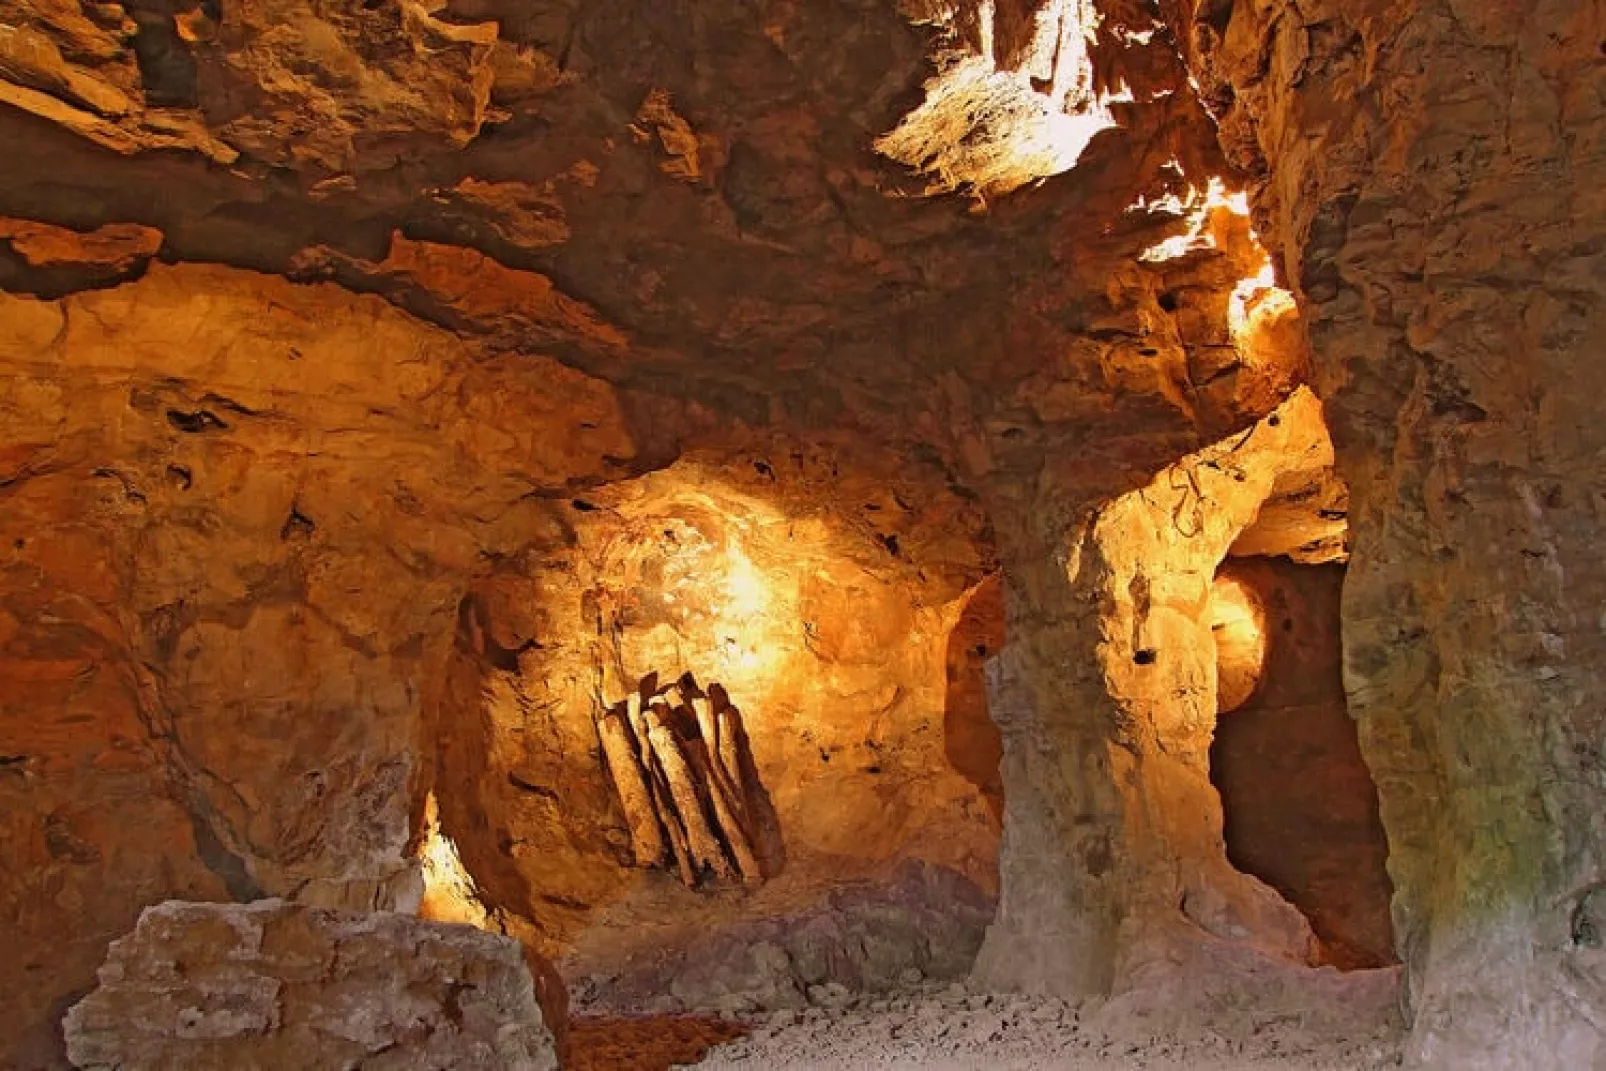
(822, 598)
(1106, 697)
(243, 517)
(239, 516)
(1430, 177)
(689, 209)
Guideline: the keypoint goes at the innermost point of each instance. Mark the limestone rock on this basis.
(273, 985)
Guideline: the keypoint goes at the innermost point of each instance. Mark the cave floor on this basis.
(1348, 1023)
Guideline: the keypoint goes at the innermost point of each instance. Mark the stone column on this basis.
(1106, 698)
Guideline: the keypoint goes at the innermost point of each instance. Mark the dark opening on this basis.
(1300, 804)
(166, 67)
(971, 740)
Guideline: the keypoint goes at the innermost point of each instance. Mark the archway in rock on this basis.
(970, 738)
(1299, 802)
(1118, 862)
(847, 618)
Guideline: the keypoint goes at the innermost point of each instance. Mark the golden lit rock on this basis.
(1238, 625)
(399, 401)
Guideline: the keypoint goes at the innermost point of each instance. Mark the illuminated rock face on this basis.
(1237, 619)
(1431, 178)
(227, 570)
(382, 389)
(1112, 849)
(829, 630)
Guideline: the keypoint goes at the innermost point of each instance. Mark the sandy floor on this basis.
(992, 1034)
(1195, 1005)
(1213, 1012)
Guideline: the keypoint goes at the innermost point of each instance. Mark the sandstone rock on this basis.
(1428, 227)
(270, 985)
(589, 295)
(829, 995)
(1076, 911)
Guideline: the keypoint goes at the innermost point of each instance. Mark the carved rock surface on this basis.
(273, 985)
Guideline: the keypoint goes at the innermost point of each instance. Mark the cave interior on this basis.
(537, 533)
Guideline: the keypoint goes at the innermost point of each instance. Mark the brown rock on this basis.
(619, 345)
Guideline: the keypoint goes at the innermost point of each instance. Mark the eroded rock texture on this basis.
(212, 479)
(1300, 805)
(383, 386)
(1430, 176)
(272, 984)
(1107, 701)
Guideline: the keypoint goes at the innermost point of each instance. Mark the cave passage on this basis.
(1299, 801)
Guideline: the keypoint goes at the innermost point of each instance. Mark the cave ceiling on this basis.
(683, 199)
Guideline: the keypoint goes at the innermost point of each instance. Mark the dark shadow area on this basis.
(970, 739)
(1300, 804)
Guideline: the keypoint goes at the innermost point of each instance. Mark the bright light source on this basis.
(450, 894)
(1199, 207)
(991, 130)
(1238, 624)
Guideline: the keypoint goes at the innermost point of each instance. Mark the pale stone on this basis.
(274, 985)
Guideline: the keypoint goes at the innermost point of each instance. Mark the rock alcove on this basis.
(1131, 465)
(829, 633)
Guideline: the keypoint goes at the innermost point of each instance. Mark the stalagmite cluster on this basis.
(679, 759)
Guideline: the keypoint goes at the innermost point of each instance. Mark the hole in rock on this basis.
(722, 749)
(1229, 564)
(166, 66)
(1300, 805)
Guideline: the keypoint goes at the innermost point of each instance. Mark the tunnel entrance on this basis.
(1300, 806)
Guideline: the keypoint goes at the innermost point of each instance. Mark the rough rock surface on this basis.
(829, 629)
(1106, 696)
(537, 249)
(1432, 177)
(1300, 805)
(274, 985)
(350, 358)
(924, 922)
(227, 569)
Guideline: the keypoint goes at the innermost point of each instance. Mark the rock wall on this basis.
(238, 517)
(823, 599)
(276, 556)
(272, 984)
(1430, 177)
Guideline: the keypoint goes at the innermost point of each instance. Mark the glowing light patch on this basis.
(1197, 207)
(1238, 625)
(450, 894)
(991, 131)
(1256, 300)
